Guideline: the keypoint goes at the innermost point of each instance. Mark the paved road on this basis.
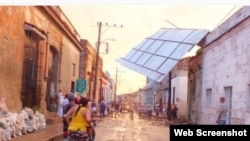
(124, 129)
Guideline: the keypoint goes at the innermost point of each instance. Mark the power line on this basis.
(225, 17)
(171, 23)
(89, 14)
(100, 25)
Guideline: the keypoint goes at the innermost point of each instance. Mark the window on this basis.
(74, 69)
(31, 77)
(72, 89)
(208, 98)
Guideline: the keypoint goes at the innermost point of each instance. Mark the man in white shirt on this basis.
(60, 104)
(222, 112)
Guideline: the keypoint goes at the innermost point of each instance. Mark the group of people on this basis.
(76, 115)
(102, 108)
(222, 111)
(163, 109)
(106, 108)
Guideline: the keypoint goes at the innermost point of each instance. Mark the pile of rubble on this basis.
(18, 124)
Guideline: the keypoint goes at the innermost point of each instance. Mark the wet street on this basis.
(123, 128)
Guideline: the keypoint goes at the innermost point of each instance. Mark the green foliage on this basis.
(35, 108)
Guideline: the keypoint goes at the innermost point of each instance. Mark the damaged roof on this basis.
(156, 55)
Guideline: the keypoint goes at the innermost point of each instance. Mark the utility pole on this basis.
(116, 73)
(97, 59)
(97, 56)
(115, 83)
(169, 97)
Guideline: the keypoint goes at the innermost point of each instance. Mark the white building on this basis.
(226, 70)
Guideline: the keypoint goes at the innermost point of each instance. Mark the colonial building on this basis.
(226, 71)
(39, 54)
(88, 59)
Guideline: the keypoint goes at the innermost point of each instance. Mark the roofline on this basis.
(237, 18)
(58, 21)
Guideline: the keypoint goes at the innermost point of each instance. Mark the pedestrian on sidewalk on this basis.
(60, 103)
(175, 110)
(71, 103)
(222, 112)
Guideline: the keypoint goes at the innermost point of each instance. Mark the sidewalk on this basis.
(47, 134)
(170, 122)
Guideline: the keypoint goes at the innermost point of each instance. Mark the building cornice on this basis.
(229, 24)
(49, 11)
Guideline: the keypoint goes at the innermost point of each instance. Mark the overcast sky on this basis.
(139, 22)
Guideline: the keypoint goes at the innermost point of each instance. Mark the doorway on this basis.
(53, 63)
(228, 101)
(31, 79)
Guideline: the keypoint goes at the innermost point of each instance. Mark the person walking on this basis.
(102, 109)
(222, 112)
(175, 111)
(93, 108)
(65, 100)
(60, 104)
(157, 109)
(109, 108)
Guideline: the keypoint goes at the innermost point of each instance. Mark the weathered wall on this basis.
(194, 88)
(12, 37)
(11, 54)
(226, 63)
(179, 81)
(70, 56)
(180, 84)
(88, 58)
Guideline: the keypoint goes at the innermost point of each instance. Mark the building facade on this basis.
(40, 54)
(194, 88)
(226, 70)
(155, 92)
(88, 59)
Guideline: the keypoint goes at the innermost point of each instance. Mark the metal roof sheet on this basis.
(156, 55)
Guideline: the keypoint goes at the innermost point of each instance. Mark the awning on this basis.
(156, 55)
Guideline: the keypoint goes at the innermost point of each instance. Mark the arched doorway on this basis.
(53, 63)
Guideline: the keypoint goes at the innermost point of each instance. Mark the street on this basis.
(123, 128)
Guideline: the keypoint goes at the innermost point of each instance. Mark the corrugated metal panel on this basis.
(158, 54)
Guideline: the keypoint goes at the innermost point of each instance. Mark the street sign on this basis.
(81, 85)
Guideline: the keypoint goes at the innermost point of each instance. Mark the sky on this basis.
(138, 22)
(139, 19)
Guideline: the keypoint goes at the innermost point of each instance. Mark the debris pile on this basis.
(21, 123)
